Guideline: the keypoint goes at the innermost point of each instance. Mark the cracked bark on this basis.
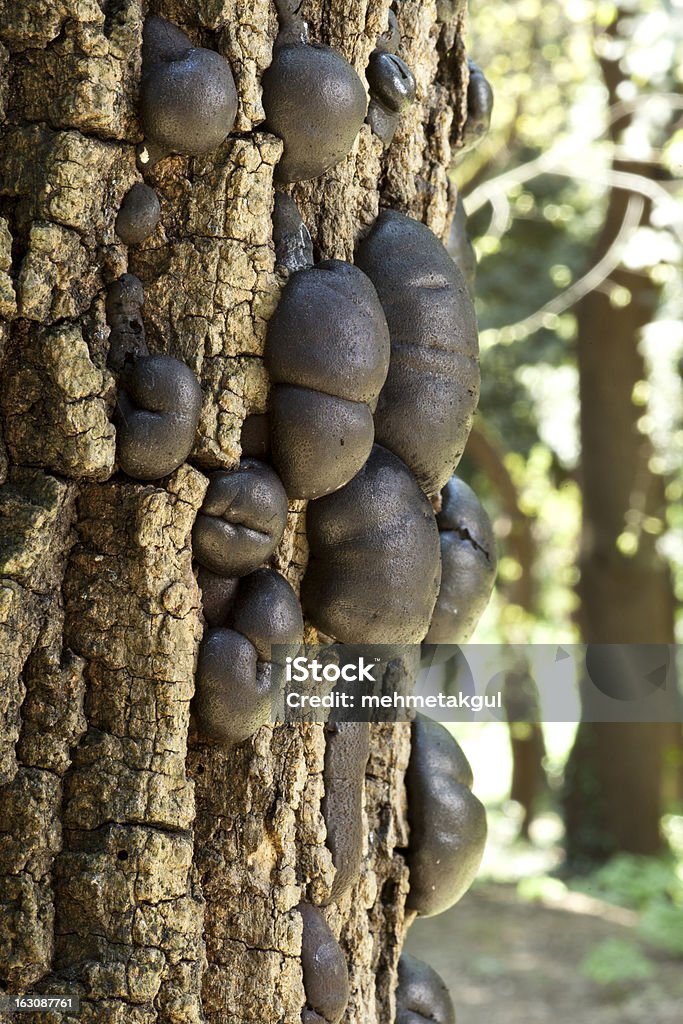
(150, 874)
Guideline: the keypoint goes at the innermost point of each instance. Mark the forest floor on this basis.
(507, 961)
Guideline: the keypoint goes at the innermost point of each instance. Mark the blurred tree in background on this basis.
(581, 419)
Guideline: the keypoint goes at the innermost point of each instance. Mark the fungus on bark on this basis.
(479, 108)
(234, 692)
(374, 568)
(421, 996)
(313, 99)
(327, 352)
(138, 215)
(425, 409)
(468, 564)
(447, 822)
(241, 521)
(157, 414)
(125, 299)
(347, 748)
(188, 100)
(326, 977)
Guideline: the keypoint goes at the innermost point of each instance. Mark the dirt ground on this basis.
(511, 962)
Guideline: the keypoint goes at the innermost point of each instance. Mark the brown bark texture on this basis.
(152, 875)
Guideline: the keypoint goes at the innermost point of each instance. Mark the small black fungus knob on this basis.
(125, 299)
(425, 409)
(315, 102)
(291, 237)
(479, 107)
(267, 611)
(234, 693)
(374, 568)
(421, 996)
(157, 416)
(327, 352)
(391, 81)
(447, 822)
(218, 596)
(188, 101)
(468, 565)
(347, 748)
(139, 214)
(255, 436)
(391, 37)
(241, 521)
(326, 976)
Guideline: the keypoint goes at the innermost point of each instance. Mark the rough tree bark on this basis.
(154, 876)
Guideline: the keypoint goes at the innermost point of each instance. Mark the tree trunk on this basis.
(153, 876)
(614, 778)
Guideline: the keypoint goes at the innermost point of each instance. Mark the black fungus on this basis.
(241, 521)
(391, 81)
(326, 977)
(425, 409)
(267, 611)
(347, 747)
(447, 822)
(125, 298)
(468, 565)
(421, 996)
(255, 436)
(188, 100)
(374, 568)
(139, 214)
(291, 237)
(218, 595)
(327, 352)
(157, 414)
(479, 107)
(234, 692)
(315, 102)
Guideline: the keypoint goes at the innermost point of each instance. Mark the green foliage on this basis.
(536, 190)
(616, 962)
(653, 887)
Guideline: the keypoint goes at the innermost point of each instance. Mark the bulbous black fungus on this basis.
(188, 100)
(139, 214)
(318, 442)
(315, 102)
(479, 107)
(327, 352)
(326, 976)
(391, 37)
(291, 237)
(347, 749)
(123, 308)
(374, 567)
(218, 596)
(447, 822)
(255, 436)
(267, 611)
(241, 521)
(425, 408)
(460, 247)
(233, 691)
(391, 81)
(162, 42)
(329, 333)
(468, 565)
(421, 996)
(157, 416)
